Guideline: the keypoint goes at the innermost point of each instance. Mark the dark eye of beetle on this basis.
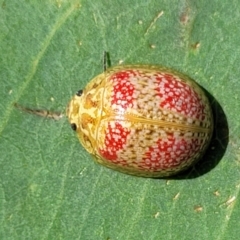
(79, 92)
(73, 126)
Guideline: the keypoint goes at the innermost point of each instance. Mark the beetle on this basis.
(143, 120)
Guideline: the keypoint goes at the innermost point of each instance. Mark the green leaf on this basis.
(49, 186)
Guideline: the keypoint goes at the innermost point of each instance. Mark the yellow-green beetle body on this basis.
(144, 120)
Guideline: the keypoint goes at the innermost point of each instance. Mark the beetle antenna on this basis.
(40, 112)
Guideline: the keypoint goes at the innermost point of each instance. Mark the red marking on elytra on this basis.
(122, 94)
(116, 137)
(170, 152)
(179, 97)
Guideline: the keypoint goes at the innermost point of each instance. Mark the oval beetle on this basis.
(142, 120)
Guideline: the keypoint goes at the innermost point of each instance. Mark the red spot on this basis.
(122, 88)
(179, 97)
(116, 137)
(170, 152)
